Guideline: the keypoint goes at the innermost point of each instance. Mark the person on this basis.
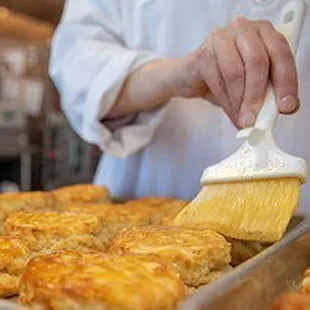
(163, 86)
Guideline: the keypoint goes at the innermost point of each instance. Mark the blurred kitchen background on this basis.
(38, 149)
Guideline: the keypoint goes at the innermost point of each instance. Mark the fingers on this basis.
(222, 69)
(282, 68)
(256, 63)
(237, 63)
(209, 68)
(231, 67)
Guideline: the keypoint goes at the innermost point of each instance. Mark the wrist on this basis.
(190, 83)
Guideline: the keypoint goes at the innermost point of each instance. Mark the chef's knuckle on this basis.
(257, 60)
(233, 74)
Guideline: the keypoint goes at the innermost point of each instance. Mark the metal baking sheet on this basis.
(257, 282)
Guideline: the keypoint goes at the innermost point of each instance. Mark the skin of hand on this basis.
(231, 69)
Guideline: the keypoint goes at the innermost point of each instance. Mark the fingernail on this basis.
(289, 104)
(248, 120)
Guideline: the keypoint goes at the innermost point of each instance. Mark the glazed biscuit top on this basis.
(10, 249)
(64, 224)
(174, 243)
(129, 281)
(81, 193)
(305, 285)
(166, 208)
(113, 212)
(33, 199)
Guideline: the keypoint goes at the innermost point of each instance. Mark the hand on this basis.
(235, 64)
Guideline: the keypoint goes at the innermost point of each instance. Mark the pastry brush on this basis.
(253, 194)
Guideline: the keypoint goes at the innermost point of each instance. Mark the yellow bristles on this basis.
(257, 210)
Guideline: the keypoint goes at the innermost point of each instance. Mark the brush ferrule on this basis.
(248, 164)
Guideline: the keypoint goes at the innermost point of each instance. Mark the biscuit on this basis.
(305, 284)
(113, 217)
(52, 231)
(71, 280)
(199, 256)
(24, 201)
(13, 259)
(163, 210)
(85, 193)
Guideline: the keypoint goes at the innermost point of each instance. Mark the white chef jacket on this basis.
(164, 151)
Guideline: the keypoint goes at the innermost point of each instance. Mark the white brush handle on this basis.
(290, 25)
(291, 22)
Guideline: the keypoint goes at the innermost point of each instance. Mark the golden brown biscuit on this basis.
(85, 193)
(295, 300)
(145, 210)
(113, 217)
(24, 201)
(51, 231)
(305, 285)
(291, 301)
(163, 210)
(109, 212)
(70, 280)
(198, 255)
(140, 212)
(13, 259)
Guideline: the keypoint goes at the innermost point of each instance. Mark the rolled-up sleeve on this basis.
(89, 65)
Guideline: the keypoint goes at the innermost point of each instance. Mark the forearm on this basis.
(153, 85)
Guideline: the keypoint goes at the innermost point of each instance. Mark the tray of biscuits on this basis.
(77, 248)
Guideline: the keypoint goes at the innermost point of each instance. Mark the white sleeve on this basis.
(89, 65)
